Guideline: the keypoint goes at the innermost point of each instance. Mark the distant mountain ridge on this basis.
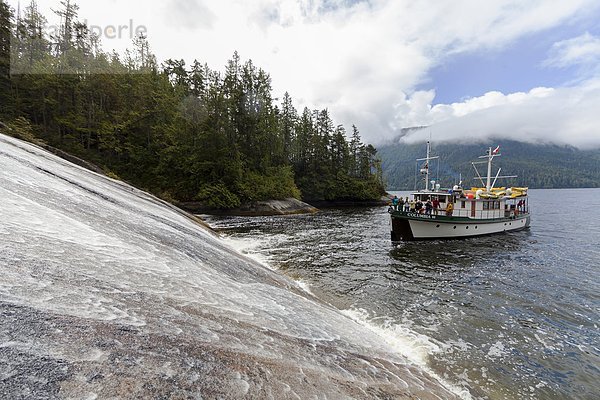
(537, 165)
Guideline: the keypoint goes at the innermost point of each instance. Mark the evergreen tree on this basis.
(68, 18)
(355, 149)
(6, 26)
(32, 42)
(185, 133)
(289, 118)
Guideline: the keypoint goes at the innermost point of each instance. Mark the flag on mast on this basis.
(496, 150)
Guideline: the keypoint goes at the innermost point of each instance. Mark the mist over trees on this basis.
(184, 132)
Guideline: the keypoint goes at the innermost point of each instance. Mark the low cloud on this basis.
(565, 116)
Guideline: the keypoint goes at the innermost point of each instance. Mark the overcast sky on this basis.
(472, 69)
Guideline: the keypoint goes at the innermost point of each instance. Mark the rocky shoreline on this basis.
(289, 206)
(383, 201)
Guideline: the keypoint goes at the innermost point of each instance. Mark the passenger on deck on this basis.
(407, 205)
(412, 205)
(395, 203)
(436, 206)
(400, 204)
(428, 207)
(449, 209)
(419, 206)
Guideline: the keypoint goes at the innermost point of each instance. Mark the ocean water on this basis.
(503, 317)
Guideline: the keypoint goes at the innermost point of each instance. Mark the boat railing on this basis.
(467, 213)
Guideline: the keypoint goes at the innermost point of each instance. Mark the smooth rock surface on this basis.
(106, 291)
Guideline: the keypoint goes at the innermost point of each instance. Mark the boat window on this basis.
(462, 204)
(486, 205)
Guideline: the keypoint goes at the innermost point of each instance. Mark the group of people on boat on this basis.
(428, 207)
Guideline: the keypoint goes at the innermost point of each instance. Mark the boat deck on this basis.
(460, 216)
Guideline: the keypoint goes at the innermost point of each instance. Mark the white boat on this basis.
(461, 213)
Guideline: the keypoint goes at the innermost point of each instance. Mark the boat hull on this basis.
(424, 227)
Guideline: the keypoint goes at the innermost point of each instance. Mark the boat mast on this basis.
(488, 186)
(426, 169)
(490, 157)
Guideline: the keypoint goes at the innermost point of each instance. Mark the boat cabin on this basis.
(470, 205)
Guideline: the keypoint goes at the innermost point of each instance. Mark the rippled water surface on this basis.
(506, 316)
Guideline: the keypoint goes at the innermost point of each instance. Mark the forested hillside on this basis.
(537, 166)
(184, 132)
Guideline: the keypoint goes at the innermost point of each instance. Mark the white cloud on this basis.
(361, 59)
(190, 14)
(582, 50)
(565, 115)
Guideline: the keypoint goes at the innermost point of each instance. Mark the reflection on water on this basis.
(507, 316)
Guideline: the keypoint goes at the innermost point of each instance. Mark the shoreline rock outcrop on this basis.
(289, 206)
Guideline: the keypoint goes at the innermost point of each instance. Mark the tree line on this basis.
(184, 132)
